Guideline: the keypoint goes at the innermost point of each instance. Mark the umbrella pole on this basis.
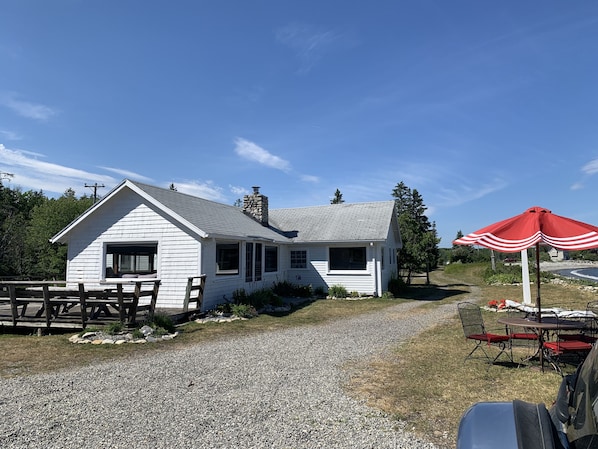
(538, 304)
(538, 301)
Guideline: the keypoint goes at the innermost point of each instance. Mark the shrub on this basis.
(137, 334)
(337, 291)
(114, 328)
(244, 311)
(504, 274)
(163, 321)
(396, 286)
(503, 278)
(224, 308)
(288, 289)
(240, 296)
(387, 295)
(261, 297)
(320, 292)
(284, 288)
(354, 294)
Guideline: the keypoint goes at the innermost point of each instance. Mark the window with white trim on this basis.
(227, 258)
(131, 259)
(347, 258)
(270, 259)
(299, 259)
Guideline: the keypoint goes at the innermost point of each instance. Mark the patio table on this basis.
(541, 327)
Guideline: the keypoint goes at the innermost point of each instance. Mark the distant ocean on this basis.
(589, 274)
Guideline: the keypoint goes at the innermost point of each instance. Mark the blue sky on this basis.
(485, 107)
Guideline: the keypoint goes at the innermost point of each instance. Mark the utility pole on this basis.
(95, 186)
(4, 175)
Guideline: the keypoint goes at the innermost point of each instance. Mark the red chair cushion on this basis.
(578, 337)
(570, 345)
(490, 338)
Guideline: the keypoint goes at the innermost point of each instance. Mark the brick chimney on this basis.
(256, 206)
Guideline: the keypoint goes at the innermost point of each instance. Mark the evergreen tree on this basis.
(420, 240)
(338, 198)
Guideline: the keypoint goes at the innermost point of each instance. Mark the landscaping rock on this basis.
(101, 338)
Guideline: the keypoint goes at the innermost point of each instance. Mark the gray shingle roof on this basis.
(330, 223)
(336, 222)
(215, 219)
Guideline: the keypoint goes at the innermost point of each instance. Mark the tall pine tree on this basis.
(420, 240)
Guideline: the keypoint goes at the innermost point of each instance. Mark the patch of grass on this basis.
(426, 383)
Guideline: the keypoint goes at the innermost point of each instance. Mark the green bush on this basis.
(114, 328)
(354, 294)
(504, 274)
(225, 308)
(387, 295)
(240, 296)
(163, 321)
(337, 291)
(396, 286)
(319, 292)
(244, 311)
(503, 279)
(261, 297)
(288, 289)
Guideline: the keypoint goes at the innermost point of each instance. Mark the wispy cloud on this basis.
(309, 43)
(467, 192)
(10, 135)
(204, 189)
(591, 168)
(310, 178)
(255, 153)
(35, 174)
(236, 190)
(27, 109)
(127, 174)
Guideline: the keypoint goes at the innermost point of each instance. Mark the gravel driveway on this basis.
(280, 389)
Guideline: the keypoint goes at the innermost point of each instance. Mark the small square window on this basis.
(299, 259)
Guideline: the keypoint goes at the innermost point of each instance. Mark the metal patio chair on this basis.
(475, 330)
(565, 349)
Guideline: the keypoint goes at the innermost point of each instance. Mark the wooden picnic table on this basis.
(54, 303)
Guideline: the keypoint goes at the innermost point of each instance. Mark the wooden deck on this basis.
(53, 305)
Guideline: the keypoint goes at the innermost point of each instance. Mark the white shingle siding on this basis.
(132, 221)
(186, 230)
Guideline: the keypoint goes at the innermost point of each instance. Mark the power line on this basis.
(95, 186)
(4, 175)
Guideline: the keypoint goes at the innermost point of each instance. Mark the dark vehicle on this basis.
(571, 423)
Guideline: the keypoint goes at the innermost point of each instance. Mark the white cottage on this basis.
(138, 230)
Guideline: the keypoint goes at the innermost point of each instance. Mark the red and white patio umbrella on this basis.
(534, 227)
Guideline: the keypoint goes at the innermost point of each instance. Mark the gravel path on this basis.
(279, 389)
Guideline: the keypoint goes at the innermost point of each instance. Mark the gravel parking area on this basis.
(279, 389)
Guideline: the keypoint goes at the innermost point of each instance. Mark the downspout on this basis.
(377, 270)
